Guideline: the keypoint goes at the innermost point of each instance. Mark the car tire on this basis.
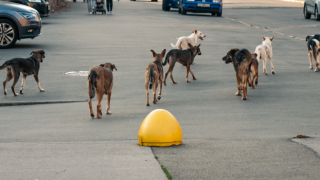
(219, 14)
(316, 14)
(183, 11)
(305, 12)
(154, 0)
(213, 14)
(179, 10)
(9, 37)
(164, 6)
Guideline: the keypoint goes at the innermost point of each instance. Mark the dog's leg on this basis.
(271, 62)
(90, 107)
(147, 92)
(317, 63)
(15, 80)
(249, 80)
(9, 77)
(23, 83)
(310, 59)
(245, 85)
(188, 68)
(174, 82)
(160, 90)
(99, 98)
(109, 99)
(193, 77)
(37, 81)
(264, 60)
(154, 90)
(238, 86)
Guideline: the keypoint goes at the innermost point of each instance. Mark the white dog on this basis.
(192, 39)
(264, 51)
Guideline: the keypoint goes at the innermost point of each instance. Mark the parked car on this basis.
(42, 6)
(17, 21)
(311, 7)
(198, 6)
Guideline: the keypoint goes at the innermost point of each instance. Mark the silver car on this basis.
(17, 22)
(311, 7)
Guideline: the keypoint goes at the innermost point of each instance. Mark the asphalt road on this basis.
(224, 137)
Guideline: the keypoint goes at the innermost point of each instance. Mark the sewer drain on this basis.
(77, 73)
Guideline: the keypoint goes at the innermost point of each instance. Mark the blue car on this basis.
(198, 6)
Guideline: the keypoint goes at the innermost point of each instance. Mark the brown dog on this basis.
(100, 80)
(154, 73)
(254, 70)
(184, 57)
(27, 66)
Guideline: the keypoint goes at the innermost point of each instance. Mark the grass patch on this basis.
(293, 37)
(156, 157)
(166, 172)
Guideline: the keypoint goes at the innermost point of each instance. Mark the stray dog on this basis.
(100, 80)
(154, 73)
(27, 66)
(264, 51)
(241, 60)
(313, 43)
(192, 39)
(254, 70)
(184, 57)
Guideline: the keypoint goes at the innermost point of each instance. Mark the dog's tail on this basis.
(258, 52)
(167, 58)
(173, 46)
(4, 65)
(177, 44)
(92, 83)
(150, 77)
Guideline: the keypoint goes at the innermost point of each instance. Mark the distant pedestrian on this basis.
(109, 6)
(91, 5)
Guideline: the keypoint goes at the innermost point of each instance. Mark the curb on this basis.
(37, 102)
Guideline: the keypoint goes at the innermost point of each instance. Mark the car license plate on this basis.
(203, 5)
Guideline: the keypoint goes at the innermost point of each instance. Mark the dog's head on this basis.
(199, 34)
(267, 40)
(109, 65)
(38, 54)
(229, 57)
(307, 38)
(196, 49)
(158, 57)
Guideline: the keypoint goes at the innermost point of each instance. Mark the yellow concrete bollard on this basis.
(160, 128)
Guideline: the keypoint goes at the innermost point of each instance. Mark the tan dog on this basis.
(26, 66)
(254, 70)
(100, 80)
(154, 73)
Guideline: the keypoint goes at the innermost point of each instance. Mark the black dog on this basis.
(184, 57)
(313, 43)
(27, 66)
(241, 60)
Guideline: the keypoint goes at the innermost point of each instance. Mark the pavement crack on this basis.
(61, 171)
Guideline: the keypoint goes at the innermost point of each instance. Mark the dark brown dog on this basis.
(154, 73)
(254, 70)
(184, 57)
(100, 80)
(241, 60)
(27, 66)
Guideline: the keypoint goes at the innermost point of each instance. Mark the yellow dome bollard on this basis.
(160, 128)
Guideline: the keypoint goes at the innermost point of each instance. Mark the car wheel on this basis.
(164, 6)
(219, 14)
(154, 0)
(306, 14)
(183, 11)
(179, 10)
(8, 33)
(316, 14)
(213, 14)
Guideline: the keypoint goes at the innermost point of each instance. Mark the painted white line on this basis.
(77, 73)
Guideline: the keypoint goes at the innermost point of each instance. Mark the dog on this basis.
(26, 66)
(182, 43)
(254, 70)
(153, 74)
(313, 43)
(241, 60)
(100, 80)
(264, 51)
(184, 57)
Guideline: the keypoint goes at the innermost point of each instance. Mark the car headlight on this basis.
(190, 0)
(34, 0)
(28, 15)
(216, 1)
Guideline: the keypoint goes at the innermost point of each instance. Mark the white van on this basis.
(311, 7)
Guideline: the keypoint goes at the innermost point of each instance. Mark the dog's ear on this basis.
(263, 38)
(114, 67)
(255, 55)
(194, 31)
(199, 45)
(102, 65)
(163, 53)
(190, 46)
(271, 38)
(153, 53)
(234, 50)
(307, 38)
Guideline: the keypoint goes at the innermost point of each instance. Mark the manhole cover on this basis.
(77, 73)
